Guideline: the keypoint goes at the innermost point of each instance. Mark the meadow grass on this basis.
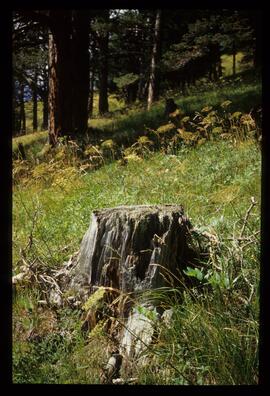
(213, 338)
(215, 193)
(224, 176)
(244, 97)
(32, 143)
(134, 121)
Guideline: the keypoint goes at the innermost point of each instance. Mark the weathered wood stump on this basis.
(130, 248)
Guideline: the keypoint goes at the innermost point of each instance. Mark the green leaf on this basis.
(194, 272)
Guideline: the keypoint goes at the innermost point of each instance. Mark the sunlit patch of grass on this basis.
(135, 121)
(225, 194)
(30, 139)
(227, 64)
(114, 103)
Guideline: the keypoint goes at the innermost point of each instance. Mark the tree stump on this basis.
(133, 248)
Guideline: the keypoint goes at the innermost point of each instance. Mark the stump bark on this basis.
(131, 248)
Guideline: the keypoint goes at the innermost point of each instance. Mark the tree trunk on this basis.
(103, 104)
(219, 67)
(43, 92)
(258, 38)
(153, 80)
(35, 103)
(53, 102)
(45, 114)
(91, 95)
(133, 248)
(142, 80)
(234, 60)
(68, 74)
(131, 93)
(80, 71)
(22, 118)
(141, 85)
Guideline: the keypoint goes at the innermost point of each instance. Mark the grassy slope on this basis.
(215, 193)
(214, 182)
(244, 96)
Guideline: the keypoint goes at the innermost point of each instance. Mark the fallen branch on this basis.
(253, 203)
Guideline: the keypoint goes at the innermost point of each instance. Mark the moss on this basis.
(96, 300)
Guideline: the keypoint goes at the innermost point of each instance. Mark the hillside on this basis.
(213, 338)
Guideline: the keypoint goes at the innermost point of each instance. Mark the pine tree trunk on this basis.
(103, 104)
(257, 61)
(140, 86)
(234, 60)
(153, 80)
(219, 67)
(68, 75)
(15, 110)
(80, 71)
(22, 118)
(45, 114)
(142, 80)
(91, 94)
(53, 103)
(45, 99)
(35, 104)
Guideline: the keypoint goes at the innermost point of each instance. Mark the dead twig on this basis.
(253, 203)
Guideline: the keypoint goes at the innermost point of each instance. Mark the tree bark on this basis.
(53, 101)
(103, 104)
(45, 114)
(91, 95)
(22, 118)
(134, 248)
(131, 93)
(68, 69)
(153, 80)
(141, 81)
(80, 71)
(258, 39)
(68, 75)
(219, 67)
(35, 102)
(234, 60)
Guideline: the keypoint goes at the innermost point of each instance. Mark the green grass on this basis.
(32, 142)
(213, 340)
(244, 96)
(223, 176)
(244, 93)
(214, 335)
(215, 193)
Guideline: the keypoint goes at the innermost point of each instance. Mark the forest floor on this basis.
(218, 181)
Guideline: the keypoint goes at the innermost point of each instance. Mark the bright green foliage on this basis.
(125, 80)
